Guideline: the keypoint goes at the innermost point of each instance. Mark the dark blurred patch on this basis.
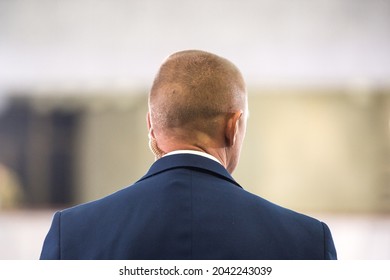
(40, 148)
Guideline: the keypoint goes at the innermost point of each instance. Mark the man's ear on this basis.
(158, 153)
(148, 123)
(231, 128)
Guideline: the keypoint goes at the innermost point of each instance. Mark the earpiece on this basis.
(158, 153)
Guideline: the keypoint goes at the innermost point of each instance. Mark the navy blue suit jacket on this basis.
(185, 207)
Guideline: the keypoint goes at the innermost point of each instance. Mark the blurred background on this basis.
(74, 79)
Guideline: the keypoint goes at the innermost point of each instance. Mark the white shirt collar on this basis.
(203, 154)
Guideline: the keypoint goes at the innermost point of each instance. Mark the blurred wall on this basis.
(113, 146)
(112, 45)
(319, 150)
(311, 150)
(308, 149)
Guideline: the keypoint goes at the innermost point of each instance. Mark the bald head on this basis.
(192, 88)
(198, 102)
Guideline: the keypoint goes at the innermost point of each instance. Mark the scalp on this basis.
(192, 87)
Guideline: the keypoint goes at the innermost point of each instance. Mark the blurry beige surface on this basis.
(306, 149)
(11, 194)
(321, 150)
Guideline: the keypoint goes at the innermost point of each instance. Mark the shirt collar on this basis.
(199, 153)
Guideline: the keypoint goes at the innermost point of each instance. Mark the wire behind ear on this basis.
(158, 153)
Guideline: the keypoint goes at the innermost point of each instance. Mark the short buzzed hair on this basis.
(194, 86)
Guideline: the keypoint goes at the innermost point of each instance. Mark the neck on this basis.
(219, 154)
(199, 153)
(196, 141)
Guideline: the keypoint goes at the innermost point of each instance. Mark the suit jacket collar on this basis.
(190, 161)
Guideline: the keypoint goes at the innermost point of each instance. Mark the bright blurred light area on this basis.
(74, 77)
(82, 44)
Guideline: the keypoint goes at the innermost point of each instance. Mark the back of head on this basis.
(193, 87)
